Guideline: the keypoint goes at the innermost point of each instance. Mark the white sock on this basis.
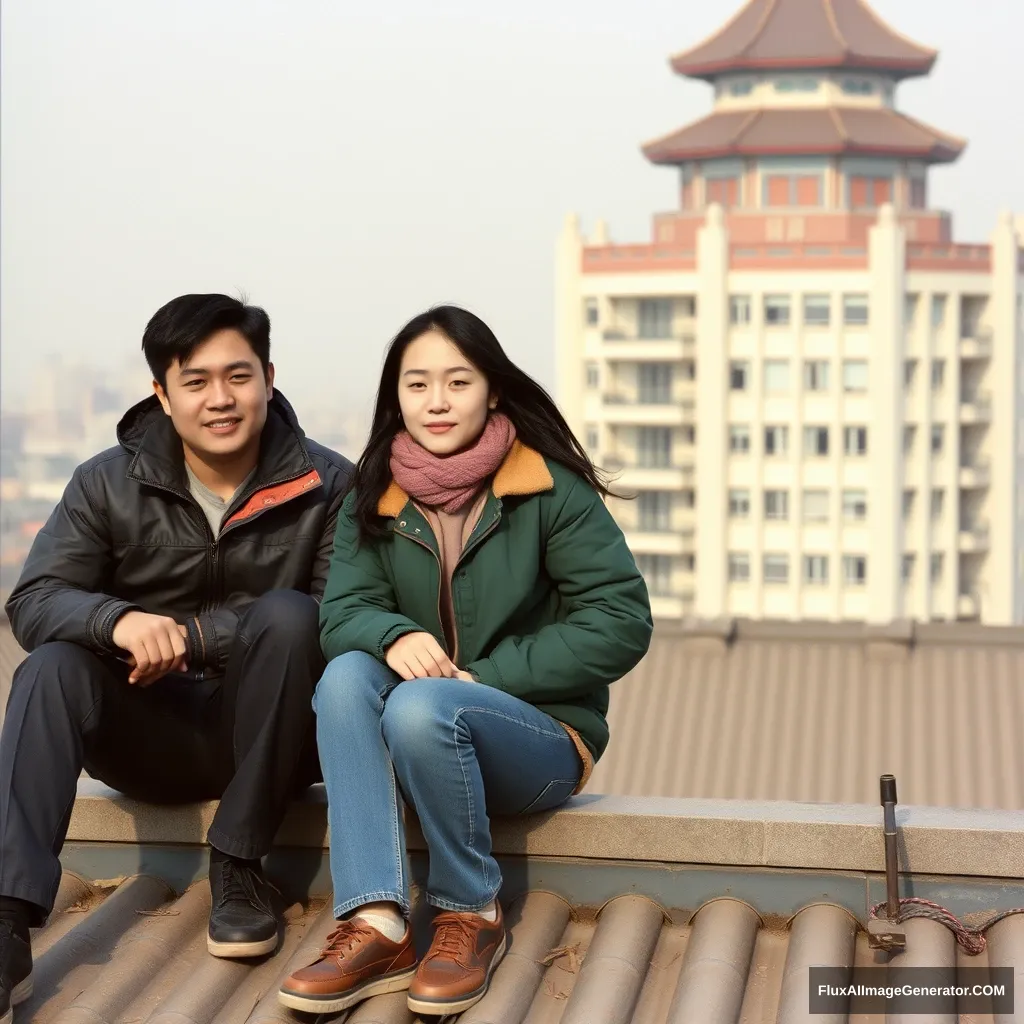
(386, 918)
(490, 912)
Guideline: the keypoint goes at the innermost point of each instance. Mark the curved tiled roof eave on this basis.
(837, 138)
(765, 24)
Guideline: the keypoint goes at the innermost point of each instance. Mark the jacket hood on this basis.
(134, 424)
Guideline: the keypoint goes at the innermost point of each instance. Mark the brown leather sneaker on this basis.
(357, 962)
(458, 966)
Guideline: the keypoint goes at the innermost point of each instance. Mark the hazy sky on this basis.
(347, 164)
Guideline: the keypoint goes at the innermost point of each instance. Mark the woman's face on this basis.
(444, 398)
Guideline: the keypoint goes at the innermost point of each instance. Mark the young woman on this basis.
(480, 601)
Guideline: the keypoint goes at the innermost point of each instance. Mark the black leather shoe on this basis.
(242, 918)
(15, 970)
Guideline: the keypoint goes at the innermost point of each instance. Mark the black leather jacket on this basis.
(127, 534)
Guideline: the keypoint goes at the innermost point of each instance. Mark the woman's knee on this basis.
(420, 713)
(348, 680)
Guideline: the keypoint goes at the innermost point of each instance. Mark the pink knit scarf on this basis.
(449, 482)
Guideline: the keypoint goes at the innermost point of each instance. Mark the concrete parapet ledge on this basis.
(776, 834)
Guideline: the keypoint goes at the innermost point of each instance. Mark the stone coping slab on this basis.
(777, 834)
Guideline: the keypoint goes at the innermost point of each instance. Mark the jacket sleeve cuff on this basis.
(105, 619)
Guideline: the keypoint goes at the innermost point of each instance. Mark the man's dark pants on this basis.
(247, 737)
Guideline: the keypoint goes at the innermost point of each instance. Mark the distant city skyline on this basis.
(346, 168)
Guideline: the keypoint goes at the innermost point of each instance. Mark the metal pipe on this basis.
(887, 786)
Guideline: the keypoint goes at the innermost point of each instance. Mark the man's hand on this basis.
(419, 656)
(156, 644)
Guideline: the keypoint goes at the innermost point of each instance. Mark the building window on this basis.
(654, 510)
(855, 440)
(908, 504)
(816, 375)
(657, 572)
(855, 505)
(937, 503)
(796, 85)
(855, 570)
(688, 499)
(776, 568)
(935, 567)
(909, 435)
(739, 567)
(816, 441)
(655, 318)
(591, 312)
(855, 375)
(938, 373)
(742, 88)
(815, 506)
(776, 376)
(593, 376)
(816, 570)
(918, 193)
(739, 375)
(858, 87)
(938, 310)
(739, 309)
(909, 372)
(855, 310)
(776, 310)
(868, 193)
(724, 191)
(909, 309)
(776, 440)
(792, 190)
(688, 369)
(907, 568)
(739, 438)
(654, 383)
(689, 435)
(776, 504)
(688, 563)
(593, 438)
(654, 447)
(817, 310)
(938, 438)
(739, 503)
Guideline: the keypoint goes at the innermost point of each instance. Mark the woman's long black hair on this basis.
(538, 423)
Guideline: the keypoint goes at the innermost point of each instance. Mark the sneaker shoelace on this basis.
(345, 937)
(239, 885)
(455, 934)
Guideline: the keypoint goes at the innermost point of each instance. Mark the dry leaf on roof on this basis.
(572, 952)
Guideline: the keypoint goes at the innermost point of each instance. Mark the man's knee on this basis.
(290, 614)
(59, 666)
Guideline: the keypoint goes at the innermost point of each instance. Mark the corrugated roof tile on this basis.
(129, 952)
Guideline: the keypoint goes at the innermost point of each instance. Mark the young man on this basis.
(170, 608)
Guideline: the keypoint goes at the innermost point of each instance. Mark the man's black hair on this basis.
(177, 329)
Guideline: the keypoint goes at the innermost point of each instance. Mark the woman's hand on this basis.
(419, 656)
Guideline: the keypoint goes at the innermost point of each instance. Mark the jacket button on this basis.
(402, 523)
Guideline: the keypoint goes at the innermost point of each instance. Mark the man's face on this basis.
(217, 400)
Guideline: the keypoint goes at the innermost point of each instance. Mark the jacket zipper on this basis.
(440, 573)
(440, 583)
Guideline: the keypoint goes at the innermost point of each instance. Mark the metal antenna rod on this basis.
(887, 785)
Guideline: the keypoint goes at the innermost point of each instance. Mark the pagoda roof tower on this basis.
(805, 78)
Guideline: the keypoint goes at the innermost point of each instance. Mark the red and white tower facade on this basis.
(815, 393)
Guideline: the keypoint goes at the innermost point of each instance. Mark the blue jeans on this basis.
(456, 751)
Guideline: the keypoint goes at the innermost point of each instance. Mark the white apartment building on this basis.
(815, 395)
